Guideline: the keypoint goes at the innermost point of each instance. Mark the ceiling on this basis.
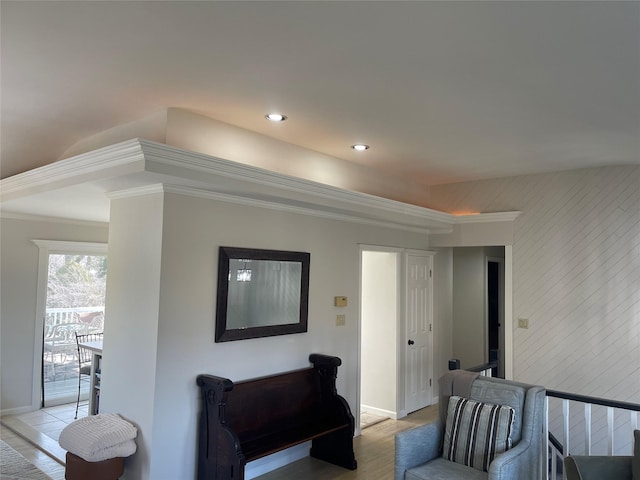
(442, 91)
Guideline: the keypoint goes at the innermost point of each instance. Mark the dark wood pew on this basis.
(244, 421)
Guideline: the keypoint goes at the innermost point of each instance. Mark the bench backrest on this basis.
(247, 420)
(269, 404)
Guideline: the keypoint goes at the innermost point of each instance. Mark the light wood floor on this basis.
(35, 436)
(40, 459)
(374, 450)
(374, 453)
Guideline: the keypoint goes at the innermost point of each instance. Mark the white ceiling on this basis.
(442, 91)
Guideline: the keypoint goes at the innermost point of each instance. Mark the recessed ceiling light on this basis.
(360, 147)
(275, 117)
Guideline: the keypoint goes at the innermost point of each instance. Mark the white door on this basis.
(419, 331)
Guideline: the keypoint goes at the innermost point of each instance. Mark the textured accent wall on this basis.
(576, 274)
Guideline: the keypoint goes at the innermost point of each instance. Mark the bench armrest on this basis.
(417, 446)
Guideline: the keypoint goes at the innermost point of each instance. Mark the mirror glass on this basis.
(261, 293)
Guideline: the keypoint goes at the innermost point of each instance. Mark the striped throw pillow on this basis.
(475, 432)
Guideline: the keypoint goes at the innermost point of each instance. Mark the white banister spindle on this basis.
(551, 462)
(587, 428)
(610, 428)
(565, 421)
(546, 444)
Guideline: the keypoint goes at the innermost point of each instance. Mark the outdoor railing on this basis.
(56, 316)
(59, 348)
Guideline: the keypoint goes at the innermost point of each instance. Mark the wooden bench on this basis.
(247, 420)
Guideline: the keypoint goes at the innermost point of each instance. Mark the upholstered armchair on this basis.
(605, 468)
(475, 413)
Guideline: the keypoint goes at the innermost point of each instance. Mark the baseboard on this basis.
(266, 464)
(403, 413)
(16, 411)
(379, 411)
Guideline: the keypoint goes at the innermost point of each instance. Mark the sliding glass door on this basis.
(71, 291)
(75, 304)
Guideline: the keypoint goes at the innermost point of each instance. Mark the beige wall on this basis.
(379, 328)
(576, 276)
(192, 231)
(469, 332)
(470, 338)
(18, 286)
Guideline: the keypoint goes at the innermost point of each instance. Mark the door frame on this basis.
(46, 248)
(508, 312)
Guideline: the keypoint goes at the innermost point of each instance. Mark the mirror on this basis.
(261, 293)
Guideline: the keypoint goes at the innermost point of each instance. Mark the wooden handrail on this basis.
(594, 400)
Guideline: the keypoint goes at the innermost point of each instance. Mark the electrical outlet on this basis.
(523, 323)
(341, 320)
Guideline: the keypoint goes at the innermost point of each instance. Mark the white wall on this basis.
(19, 277)
(469, 332)
(379, 324)
(190, 131)
(576, 275)
(129, 368)
(192, 231)
(442, 313)
(470, 337)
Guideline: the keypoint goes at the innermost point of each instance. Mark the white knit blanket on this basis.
(99, 437)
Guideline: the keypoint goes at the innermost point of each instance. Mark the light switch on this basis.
(340, 301)
(523, 323)
(341, 320)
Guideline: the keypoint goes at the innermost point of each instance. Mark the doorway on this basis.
(380, 313)
(495, 312)
(71, 299)
(479, 306)
(396, 328)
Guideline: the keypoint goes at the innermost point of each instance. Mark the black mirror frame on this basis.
(222, 334)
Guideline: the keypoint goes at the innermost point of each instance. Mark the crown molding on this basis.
(42, 218)
(142, 167)
(137, 191)
(86, 165)
(167, 155)
(487, 217)
(223, 197)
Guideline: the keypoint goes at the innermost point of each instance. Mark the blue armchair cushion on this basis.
(502, 392)
(475, 432)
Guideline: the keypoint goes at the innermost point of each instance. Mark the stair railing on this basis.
(485, 369)
(556, 450)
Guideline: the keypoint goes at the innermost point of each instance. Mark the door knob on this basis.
(411, 342)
